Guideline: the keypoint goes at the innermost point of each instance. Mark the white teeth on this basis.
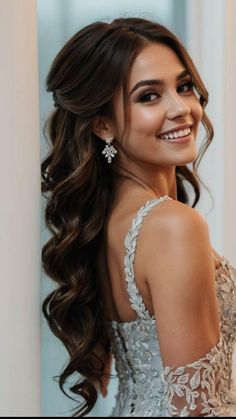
(176, 134)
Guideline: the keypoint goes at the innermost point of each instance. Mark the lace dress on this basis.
(146, 388)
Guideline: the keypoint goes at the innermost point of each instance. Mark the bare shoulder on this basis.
(178, 265)
(176, 244)
(175, 214)
(174, 220)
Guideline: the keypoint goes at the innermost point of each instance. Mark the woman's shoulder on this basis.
(172, 217)
(178, 267)
(175, 237)
(169, 217)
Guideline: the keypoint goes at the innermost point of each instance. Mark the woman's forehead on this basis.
(155, 61)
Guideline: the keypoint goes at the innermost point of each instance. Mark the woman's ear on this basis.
(102, 127)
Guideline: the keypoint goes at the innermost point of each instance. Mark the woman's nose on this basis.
(176, 106)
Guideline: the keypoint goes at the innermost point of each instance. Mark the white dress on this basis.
(146, 388)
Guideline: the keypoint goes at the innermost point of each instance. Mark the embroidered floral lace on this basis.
(146, 388)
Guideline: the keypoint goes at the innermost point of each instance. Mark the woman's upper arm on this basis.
(179, 271)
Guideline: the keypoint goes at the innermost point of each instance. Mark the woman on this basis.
(136, 273)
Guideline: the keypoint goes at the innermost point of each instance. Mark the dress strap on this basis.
(130, 247)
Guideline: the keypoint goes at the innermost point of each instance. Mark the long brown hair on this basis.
(78, 184)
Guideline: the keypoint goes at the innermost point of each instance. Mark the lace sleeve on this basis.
(196, 389)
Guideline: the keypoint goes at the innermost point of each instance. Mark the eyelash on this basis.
(144, 97)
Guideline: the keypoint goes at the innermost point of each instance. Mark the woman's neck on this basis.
(163, 183)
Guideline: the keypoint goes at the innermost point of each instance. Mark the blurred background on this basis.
(31, 33)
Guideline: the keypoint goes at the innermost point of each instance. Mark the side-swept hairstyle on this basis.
(78, 184)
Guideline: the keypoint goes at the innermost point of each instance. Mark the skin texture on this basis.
(179, 272)
(174, 264)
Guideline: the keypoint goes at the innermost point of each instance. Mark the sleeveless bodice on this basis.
(146, 388)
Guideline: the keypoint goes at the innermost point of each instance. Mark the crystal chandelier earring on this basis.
(109, 151)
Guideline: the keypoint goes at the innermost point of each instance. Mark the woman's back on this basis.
(111, 257)
(147, 387)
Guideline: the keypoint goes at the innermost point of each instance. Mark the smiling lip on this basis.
(181, 127)
(178, 140)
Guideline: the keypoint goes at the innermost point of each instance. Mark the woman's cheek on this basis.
(147, 119)
(197, 110)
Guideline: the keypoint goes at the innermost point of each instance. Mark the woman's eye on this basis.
(186, 87)
(148, 97)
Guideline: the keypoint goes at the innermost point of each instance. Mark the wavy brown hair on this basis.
(78, 184)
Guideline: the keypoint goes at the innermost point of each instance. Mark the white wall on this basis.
(229, 82)
(211, 36)
(20, 271)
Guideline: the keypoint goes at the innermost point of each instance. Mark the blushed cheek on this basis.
(146, 123)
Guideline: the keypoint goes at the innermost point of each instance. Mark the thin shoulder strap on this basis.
(130, 247)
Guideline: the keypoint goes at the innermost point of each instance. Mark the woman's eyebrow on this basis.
(157, 81)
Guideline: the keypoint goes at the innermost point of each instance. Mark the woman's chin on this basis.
(184, 162)
(187, 157)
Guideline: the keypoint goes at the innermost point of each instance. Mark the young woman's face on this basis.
(164, 111)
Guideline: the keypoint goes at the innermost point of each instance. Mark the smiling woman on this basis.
(153, 293)
(164, 111)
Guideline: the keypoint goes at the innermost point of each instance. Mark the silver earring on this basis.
(109, 151)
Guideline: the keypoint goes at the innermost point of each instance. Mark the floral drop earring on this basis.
(109, 151)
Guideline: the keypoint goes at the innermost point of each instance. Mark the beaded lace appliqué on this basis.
(130, 247)
(198, 385)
